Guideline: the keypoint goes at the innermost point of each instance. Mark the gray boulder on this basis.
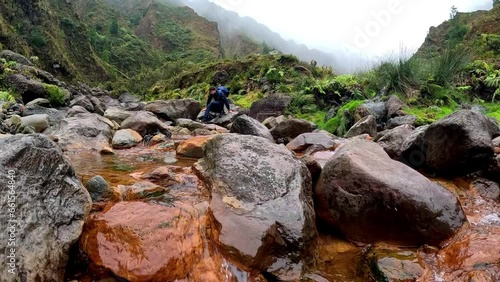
(246, 125)
(38, 122)
(263, 212)
(145, 123)
(28, 88)
(459, 143)
(412, 153)
(55, 116)
(367, 125)
(402, 120)
(125, 138)
(49, 208)
(393, 140)
(175, 109)
(394, 105)
(40, 102)
(83, 131)
(117, 114)
(320, 140)
(15, 57)
(76, 110)
(99, 189)
(271, 106)
(109, 102)
(372, 198)
(82, 101)
(289, 129)
(376, 109)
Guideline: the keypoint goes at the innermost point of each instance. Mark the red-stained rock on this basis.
(193, 147)
(144, 242)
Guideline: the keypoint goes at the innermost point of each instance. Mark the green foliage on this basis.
(274, 75)
(300, 103)
(493, 110)
(401, 75)
(37, 37)
(56, 95)
(449, 65)
(340, 124)
(114, 28)
(491, 42)
(458, 29)
(495, 2)
(247, 100)
(7, 96)
(176, 36)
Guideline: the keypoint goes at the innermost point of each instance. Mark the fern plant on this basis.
(493, 81)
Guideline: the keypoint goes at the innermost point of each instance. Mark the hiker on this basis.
(219, 97)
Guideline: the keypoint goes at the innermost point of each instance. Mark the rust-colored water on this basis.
(472, 255)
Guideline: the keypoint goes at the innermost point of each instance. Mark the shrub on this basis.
(401, 75)
(7, 96)
(449, 65)
(56, 95)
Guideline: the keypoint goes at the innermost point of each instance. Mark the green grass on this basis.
(317, 118)
(247, 100)
(493, 110)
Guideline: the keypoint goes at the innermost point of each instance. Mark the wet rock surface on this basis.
(50, 205)
(264, 212)
(370, 198)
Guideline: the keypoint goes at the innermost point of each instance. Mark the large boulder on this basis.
(459, 143)
(367, 125)
(393, 140)
(262, 210)
(289, 129)
(370, 198)
(138, 241)
(145, 123)
(43, 207)
(270, 106)
(246, 125)
(175, 109)
(412, 148)
(15, 57)
(28, 88)
(83, 131)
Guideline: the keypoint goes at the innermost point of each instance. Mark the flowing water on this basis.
(472, 255)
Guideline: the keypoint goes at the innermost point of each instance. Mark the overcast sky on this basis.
(370, 27)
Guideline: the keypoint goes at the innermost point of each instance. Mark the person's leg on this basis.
(212, 107)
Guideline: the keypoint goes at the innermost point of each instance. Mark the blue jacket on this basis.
(219, 97)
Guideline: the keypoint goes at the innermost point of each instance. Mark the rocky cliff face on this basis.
(58, 39)
(478, 31)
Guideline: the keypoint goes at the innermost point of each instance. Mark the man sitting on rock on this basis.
(217, 105)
